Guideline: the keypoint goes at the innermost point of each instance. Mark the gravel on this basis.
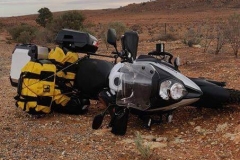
(193, 134)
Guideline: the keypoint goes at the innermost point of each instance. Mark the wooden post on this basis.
(165, 28)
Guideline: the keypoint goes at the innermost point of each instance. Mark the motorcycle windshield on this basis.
(135, 85)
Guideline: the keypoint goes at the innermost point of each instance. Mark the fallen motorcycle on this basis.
(145, 86)
(152, 85)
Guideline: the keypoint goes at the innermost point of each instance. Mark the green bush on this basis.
(25, 37)
(44, 36)
(71, 20)
(119, 27)
(45, 16)
(18, 32)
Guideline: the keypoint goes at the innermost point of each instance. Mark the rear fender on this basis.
(213, 95)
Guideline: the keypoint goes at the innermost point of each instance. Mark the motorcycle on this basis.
(146, 86)
(151, 85)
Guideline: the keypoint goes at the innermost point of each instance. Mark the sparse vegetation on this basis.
(168, 37)
(1, 25)
(23, 33)
(141, 147)
(208, 37)
(220, 38)
(120, 28)
(71, 20)
(232, 32)
(193, 37)
(44, 36)
(25, 37)
(137, 28)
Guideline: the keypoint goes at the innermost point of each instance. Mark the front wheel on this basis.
(119, 121)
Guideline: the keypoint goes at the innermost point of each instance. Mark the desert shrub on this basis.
(25, 37)
(219, 38)
(88, 30)
(208, 36)
(44, 36)
(45, 16)
(18, 32)
(1, 25)
(137, 28)
(193, 37)
(119, 27)
(143, 149)
(168, 37)
(71, 20)
(103, 37)
(232, 32)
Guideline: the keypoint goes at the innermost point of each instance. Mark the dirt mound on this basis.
(160, 5)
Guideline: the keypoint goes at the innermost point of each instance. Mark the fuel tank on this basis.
(92, 76)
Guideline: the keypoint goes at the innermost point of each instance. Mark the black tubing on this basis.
(234, 97)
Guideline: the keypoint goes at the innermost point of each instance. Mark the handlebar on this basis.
(156, 53)
(124, 55)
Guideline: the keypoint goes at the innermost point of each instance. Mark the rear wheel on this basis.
(234, 97)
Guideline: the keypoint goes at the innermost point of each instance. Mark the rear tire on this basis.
(234, 97)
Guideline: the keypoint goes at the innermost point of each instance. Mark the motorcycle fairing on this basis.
(187, 82)
(114, 77)
(131, 94)
(135, 85)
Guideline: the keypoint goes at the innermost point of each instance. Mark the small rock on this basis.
(237, 138)
(149, 137)
(100, 148)
(237, 129)
(128, 141)
(161, 139)
(179, 140)
(192, 123)
(197, 46)
(222, 127)
(154, 145)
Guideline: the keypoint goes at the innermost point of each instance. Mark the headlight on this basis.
(177, 91)
(164, 90)
(172, 89)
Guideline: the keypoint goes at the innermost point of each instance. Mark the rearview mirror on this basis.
(112, 37)
(130, 42)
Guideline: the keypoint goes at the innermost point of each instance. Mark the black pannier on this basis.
(77, 41)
